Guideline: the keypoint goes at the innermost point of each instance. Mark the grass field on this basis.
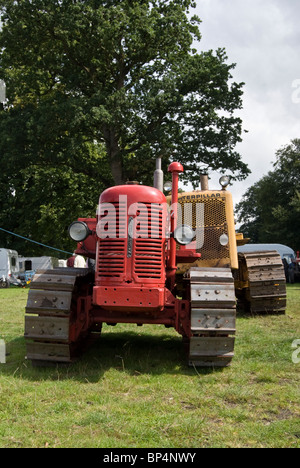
(133, 389)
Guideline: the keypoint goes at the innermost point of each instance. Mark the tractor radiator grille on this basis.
(213, 222)
(139, 258)
(149, 246)
(111, 256)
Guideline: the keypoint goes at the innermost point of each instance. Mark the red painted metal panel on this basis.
(133, 299)
(134, 194)
(131, 231)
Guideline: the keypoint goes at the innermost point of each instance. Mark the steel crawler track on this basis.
(264, 273)
(53, 327)
(213, 317)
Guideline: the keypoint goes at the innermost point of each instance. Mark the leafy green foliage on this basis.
(101, 89)
(270, 209)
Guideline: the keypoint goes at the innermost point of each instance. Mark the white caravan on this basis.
(9, 268)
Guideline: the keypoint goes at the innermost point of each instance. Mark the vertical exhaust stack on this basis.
(159, 176)
(175, 168)
(204, 182)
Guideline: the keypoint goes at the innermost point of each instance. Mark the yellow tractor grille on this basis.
(211, 218)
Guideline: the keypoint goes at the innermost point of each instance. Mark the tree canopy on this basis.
(96, 91)
(269, 210)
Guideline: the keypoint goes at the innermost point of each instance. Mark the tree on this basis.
(130, 69)
(40, 202)
(103, 88)
(270, 209)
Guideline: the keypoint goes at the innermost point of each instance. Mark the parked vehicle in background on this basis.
(29, 265)
(9, 268)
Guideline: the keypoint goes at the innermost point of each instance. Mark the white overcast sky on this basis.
(263, 38)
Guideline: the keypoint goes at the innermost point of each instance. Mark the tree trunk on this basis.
(114, 155)
(116, 169)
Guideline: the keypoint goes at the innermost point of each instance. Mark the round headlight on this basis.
(225, 181)
(168, 186)
(224, 239)
(79, 231)
(184, 234)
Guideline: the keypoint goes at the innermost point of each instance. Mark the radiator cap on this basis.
(175, 167)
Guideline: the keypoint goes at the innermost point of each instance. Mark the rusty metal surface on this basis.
(213, 295)
(207, 320)
(47, 328)
(53, 281)
(211, 351)
(49, 302)
(213, 317)
(48, 352)
(215, 275)
(50, 313)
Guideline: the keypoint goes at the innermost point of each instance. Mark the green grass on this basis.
(133, 389)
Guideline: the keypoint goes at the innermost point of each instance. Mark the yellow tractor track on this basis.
(264, 277)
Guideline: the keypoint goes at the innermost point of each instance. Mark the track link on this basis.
(263, 272)
(213, 317)
(56, 320)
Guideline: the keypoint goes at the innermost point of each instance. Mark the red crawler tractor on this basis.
(153, 264)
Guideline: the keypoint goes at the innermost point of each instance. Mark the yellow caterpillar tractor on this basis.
(259, 277)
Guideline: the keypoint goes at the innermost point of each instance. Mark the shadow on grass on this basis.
(124, 352)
